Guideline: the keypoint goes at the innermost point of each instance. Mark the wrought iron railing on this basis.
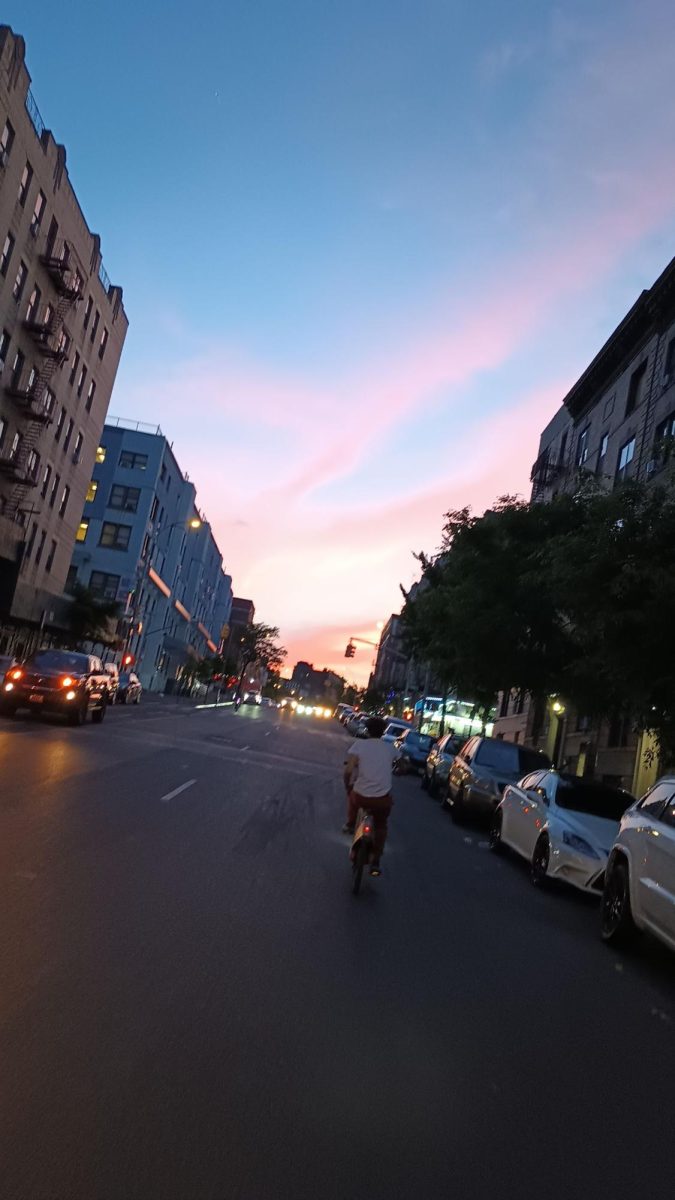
(34, 114)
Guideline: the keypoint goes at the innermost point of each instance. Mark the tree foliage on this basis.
(573, 597)
(89, 618)
(260, 644)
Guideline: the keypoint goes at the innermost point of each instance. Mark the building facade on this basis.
(62, 329)
(242, 615)
(391, 664)
(142, 542)
(616, 423)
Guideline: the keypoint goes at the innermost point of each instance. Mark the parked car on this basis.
(6, 661)
(343, 711)
(412, 749)
(58, 681)
(130, 689)
(112, 671)
(439, 761)
(639, 890)
(563, 825)
(356, 725)
(395, 729)
(482, 769)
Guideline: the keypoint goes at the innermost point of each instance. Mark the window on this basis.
(73, 369)
(17, 368)
(103, 343)
(41, 546)
(69, 434)
(6, 254)
(71, 578)
(626, 455)
(91, 392)
(33, 304)
(33, 464)
(154, 509)
(91, 491)
(81, 380)
(124, 497)
(20, 281)
(663, 435)
(65, 496)
(520, 703)
(583, 723)
(504, 706)
(104, 586)
(6, 143)
(146, 546)
(50, 557)
(25, 184)
(59, 424)
(668, 815)
(3, 430)
(94, 326)
(100, 454)
(656, 800)
(604, 443)
(636, 388)
(162, 473)
(38, 213)
(609, 406)
(55, 487)
(618, 734)
(669, 371)
(132, 461)
(15, 446)
(52, 235)
(4, 348)
(87, 312)
(31, 542)
(49, 401)
(114, 537)
(582, 447)
(77, 448)
(45, 480)
(82, 530)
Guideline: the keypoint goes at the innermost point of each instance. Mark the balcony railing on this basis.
(545, 472)
(34, 114)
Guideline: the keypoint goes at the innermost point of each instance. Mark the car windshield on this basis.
(59, 660)
(506, 756)
(594, 799)
(420, 741)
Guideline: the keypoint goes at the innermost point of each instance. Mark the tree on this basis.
(259, 644)
(89, 618)
(572, 597)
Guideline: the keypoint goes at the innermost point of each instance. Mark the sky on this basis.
(366, 247)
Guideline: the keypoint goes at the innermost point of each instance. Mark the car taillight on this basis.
(16, 674)
(366, 829)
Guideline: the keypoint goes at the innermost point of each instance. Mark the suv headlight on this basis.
(575, 842)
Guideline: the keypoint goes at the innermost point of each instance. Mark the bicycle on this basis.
(362, 847)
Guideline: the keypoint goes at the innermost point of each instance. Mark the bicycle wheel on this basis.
(360, 859)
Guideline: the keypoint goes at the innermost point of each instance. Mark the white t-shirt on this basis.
(375, 765)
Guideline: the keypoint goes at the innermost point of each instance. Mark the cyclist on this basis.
(367, 776)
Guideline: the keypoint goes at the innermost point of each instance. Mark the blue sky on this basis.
(365, 248)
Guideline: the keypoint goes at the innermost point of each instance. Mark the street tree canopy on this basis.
(260, 643)
(574, 597)
(89, 618)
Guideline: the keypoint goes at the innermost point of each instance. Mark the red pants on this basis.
(380, 807)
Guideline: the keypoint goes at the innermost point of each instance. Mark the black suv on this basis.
(58, 681)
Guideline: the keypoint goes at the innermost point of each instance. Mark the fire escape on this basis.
(32, 395)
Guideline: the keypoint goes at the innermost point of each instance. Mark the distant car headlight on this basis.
(579, 844)
(70, 695)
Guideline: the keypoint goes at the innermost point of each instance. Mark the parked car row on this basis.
(592, 836)
(67, 683)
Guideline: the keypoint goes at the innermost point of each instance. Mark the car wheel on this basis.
(78, 716)
(540, 860)
(98, 714)
(458, 807)
(495, 840)
(138, 698)
(617, 924)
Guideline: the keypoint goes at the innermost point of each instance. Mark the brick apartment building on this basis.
(62, 329)
(617, 422)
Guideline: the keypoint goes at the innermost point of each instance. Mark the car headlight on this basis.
(575, 842)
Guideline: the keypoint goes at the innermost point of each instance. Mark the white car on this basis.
(640, 879)
(563, 825)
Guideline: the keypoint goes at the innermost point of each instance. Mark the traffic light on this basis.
(351, 650)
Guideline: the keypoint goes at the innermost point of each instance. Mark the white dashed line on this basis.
(177, 791)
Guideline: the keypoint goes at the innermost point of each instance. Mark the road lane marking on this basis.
(177, 791)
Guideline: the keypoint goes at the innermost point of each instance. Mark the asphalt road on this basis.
(193, 1006)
